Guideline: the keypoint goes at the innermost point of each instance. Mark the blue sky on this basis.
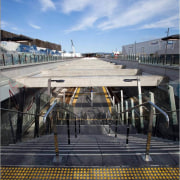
(93, 25)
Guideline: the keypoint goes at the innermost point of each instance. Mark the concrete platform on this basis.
(88, 73)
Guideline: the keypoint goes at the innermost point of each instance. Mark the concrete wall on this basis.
(171, 72)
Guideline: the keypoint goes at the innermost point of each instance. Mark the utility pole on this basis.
(166, 46)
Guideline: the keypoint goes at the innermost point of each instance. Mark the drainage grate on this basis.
(70, 173)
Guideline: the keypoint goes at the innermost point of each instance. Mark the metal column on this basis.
(172, 104)
(140, 102)
(119, 110)
(132, 113)
(127, 113)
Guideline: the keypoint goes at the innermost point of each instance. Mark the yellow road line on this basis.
(107, 98)
(76, 96)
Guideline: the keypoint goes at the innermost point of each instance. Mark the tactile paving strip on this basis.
(89, 173)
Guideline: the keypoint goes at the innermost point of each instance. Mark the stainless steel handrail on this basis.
(49, 110)
(147, 157)
(149, 102)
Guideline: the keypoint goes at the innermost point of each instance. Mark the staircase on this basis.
(97, 155)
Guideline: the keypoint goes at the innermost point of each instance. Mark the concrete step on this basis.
(96, 129)
(91, 150)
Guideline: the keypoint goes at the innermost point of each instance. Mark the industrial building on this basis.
(156, 47)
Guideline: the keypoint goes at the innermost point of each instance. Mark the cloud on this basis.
(171, 22)
(34, 26)
(15, 28)
(106, 14)
(97, 10)
(74, 5)
(4, 24)
(139, 12)
(47, 4)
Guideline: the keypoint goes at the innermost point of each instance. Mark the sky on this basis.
(93, 25)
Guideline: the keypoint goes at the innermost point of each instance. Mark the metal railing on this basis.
(7, 59)
(150, 125)
(25, 126)
(170, 60)
(50, 110)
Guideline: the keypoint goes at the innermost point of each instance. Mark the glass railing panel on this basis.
(2, 60)
(8, 127)
(8, 59)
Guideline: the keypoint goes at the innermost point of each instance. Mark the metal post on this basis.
(116, 129)
(19, 58)
(56, 159)
(122, 107)
(127, 134)
(119, 106)
(55, 134)
(68, 130)
(140, 102)
(147, 156)
(127, 113)
(25, 58)
(75, 129)
(10, 121)
(3, 60)
(151, 95)
(79, 125)
(106, 118)
(132, 113)
(113, 101)
(12, 59)
(36, 129)
(20, 115)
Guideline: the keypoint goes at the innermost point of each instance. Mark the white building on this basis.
(153, 47)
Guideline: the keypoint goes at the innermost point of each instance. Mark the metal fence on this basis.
(159, 60)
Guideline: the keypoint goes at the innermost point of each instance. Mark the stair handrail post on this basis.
(75, 128)
(127, 135)
(79, 125)
(149, 134)
(147, 156)
(55, 136)
(68, 130)
(116, 128)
